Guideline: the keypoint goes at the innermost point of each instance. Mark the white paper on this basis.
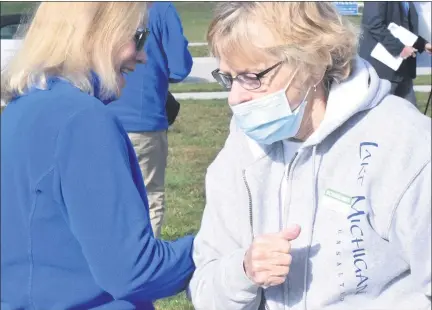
(380, 52)
(404, 35)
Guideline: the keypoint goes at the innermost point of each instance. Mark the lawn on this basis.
(10, 7)
(195, 17)
(194, 140)
(195, 87)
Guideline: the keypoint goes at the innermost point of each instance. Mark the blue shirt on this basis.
(75, 228)
(141, 106)
(405, 6)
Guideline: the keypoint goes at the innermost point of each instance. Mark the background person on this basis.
(75, 228)
(376, 18)
(142, 106)
(317, 143)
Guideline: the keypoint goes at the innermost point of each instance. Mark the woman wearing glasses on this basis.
(75, 229)
(321, 196)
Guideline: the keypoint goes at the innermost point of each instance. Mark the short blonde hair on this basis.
(309, 35)
(69, 39)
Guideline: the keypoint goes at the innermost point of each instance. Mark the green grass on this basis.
(195, 87)
(423, 80)
(421, 102)
(199, 51)
(356, 20)
(194, 140)
(10, 7)
(195, 17)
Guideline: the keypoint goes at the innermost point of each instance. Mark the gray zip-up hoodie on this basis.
(360, 188)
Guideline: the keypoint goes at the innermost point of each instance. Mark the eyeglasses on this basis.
(140, 38)
(248, 81)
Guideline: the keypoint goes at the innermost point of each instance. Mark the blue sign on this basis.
(347, 7)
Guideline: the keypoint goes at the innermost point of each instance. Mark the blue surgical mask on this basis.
(269, 119)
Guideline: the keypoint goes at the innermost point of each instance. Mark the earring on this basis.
(314, 87)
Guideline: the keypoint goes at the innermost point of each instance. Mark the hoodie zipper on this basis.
(285, 219)
(250, 201)
(263, 299)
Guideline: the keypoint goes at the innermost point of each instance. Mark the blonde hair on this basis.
(310, 35)
(69, 39)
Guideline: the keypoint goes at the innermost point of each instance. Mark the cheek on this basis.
(126, 53)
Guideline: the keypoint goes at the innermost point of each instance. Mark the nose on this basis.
(238, 94)
(141, 57)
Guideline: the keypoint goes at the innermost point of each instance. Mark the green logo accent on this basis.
(338, 196)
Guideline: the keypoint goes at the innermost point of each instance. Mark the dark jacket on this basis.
(376, 18)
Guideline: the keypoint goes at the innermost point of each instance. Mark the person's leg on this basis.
(405, 89)
(151, 149)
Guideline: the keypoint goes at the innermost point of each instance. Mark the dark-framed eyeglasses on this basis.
(140, 38)
(248, 81)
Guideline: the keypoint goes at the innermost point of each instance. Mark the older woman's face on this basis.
(275, 80)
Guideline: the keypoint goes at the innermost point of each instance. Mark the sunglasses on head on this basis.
(140, 38)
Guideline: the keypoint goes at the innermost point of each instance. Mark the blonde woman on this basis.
(321, 196)
(75, 228)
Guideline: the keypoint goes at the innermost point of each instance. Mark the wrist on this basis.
(235, 274)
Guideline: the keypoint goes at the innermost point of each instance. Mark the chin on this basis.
(121, 80)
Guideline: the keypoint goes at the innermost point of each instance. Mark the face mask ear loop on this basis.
(291, 79)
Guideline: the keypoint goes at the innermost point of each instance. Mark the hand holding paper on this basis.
(406, 37)
(408, 51)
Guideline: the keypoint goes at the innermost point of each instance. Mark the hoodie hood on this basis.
(362, 91)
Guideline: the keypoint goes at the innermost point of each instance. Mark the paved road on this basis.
(224, 95)
(203, 66)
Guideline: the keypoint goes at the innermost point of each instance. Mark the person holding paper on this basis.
(317, 199)
(377, 16)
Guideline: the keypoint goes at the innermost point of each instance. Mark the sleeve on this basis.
(373, 21)
(420, 44)
(411, 230)
(175, 46)
(220, 281)
(108, 216)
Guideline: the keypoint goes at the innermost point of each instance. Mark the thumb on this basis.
(291, 233)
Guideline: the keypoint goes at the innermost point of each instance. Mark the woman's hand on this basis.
(268, 259)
